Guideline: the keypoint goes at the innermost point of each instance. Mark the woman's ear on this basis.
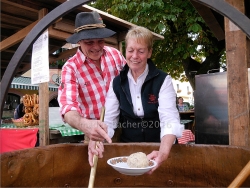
(150, 53)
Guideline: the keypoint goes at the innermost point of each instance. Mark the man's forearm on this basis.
(73, 118)
(93, 129)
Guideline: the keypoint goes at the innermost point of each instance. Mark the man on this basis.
(85, 77)
(19, 111)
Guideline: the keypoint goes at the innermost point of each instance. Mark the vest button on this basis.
(142, 130)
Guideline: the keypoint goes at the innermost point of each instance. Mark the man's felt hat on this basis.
(89, 25)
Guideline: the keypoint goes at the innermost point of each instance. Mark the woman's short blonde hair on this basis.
(141, 34)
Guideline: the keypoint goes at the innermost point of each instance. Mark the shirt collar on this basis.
(142, 76)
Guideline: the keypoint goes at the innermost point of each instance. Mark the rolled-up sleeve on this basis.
(168, 113)
(67, 91)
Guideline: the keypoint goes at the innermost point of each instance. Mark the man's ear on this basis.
(79, 42)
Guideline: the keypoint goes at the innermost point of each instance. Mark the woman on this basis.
(144, 98)
(182, 107)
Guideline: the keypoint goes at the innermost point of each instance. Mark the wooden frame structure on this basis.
(238, 61)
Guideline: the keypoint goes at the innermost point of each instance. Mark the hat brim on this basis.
(90, 34)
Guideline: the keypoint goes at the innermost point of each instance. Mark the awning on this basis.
(25, 83)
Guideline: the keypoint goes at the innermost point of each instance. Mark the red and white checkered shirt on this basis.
(84, 86)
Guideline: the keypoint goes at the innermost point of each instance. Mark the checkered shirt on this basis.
(84, 86)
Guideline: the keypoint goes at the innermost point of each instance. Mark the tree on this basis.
(187, 39)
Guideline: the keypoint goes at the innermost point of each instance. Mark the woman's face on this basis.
(180, 100)
(137, 54)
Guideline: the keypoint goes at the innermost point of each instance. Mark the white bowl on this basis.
(120, 165)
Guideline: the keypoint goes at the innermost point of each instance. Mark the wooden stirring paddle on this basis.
(95, 159)
(241, 177)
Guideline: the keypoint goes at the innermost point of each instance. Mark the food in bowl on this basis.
(138, 160)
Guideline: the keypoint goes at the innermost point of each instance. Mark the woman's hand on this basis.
(162, 155)
(95, 148)
(158, 157)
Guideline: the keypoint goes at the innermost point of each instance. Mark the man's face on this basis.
(92, 48)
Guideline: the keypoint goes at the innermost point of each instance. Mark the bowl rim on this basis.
(114, 165)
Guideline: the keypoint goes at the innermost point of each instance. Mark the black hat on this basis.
(89, 25)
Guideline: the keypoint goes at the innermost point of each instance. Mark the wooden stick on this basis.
(242, 176)
(95, 159)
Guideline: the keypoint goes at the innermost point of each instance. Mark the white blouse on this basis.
(168, 113)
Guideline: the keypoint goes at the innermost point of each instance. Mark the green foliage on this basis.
(58, 63)
(186, 35)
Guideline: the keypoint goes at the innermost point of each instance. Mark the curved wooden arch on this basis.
(39, 28)
(219, 6)
(225, 9)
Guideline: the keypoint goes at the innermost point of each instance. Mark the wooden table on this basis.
(190, 112)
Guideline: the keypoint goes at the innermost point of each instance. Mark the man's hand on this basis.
(96, 130)
(95, 148)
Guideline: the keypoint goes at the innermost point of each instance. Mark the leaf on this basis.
(185, 56)
(161, 26)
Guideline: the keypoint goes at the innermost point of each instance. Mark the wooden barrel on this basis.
(66, 165)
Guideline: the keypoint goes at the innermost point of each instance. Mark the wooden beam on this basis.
(111, 40)
(52, 49)
(237, 81)
(19, 6)
(8, 26)
(43, 104)
(13, 51)
(17, 37)
(248, 52)
(7, 61)
(57, 34)
(24, 68)
(14, 20)
(65, 54)
(52, 58)
(64, 26)
(121, 36)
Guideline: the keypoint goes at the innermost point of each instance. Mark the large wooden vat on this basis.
(66, 165)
